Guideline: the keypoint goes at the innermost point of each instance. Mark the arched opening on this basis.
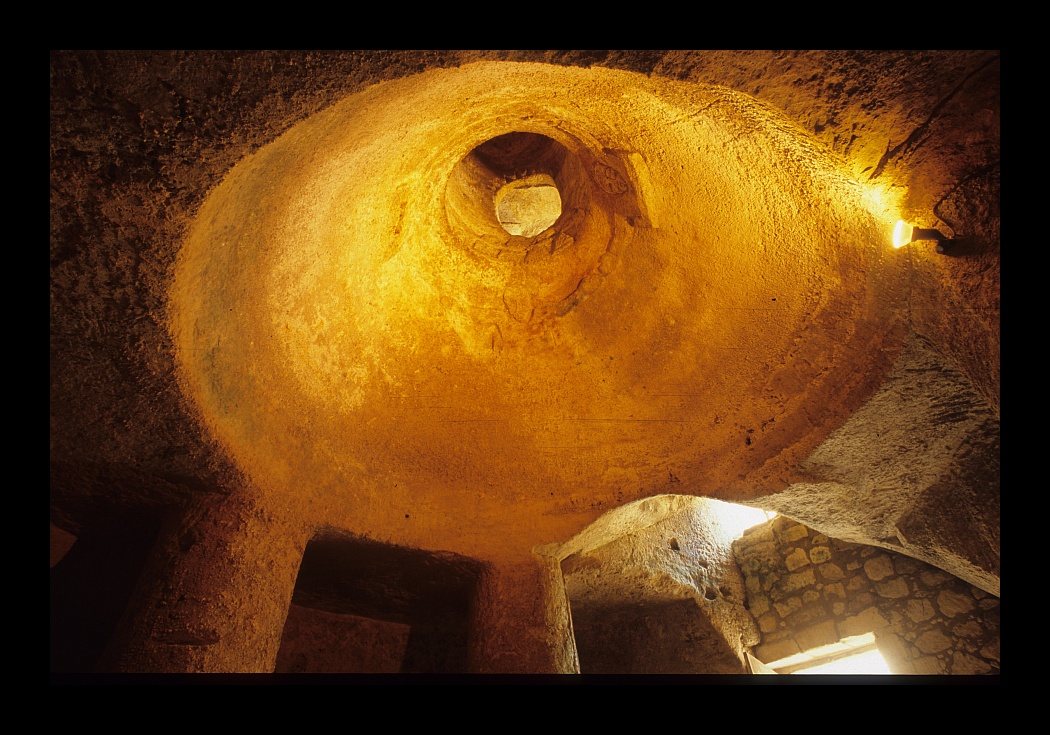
(653, 588)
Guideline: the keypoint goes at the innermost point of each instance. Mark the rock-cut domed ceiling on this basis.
(368, 342)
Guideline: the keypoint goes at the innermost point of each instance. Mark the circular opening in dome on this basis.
(514, 188)
(529, 205)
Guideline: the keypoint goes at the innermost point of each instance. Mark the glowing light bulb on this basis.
(902, 234)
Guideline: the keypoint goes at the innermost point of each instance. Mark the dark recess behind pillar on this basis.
(431, 592)
(90, 589)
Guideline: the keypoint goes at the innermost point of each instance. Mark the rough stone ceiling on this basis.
(723, 302)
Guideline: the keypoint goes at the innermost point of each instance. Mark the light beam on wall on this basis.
(738, 518)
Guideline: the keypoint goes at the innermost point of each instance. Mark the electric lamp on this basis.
(904, 233)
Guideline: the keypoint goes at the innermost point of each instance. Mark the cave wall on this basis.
(654, 589)
(139, 139)
(807, 590)
(320, 642)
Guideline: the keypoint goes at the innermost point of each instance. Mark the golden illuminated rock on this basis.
(446, 340)
(360, 331)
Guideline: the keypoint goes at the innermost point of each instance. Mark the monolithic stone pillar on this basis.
(520, 621)
(214, 595)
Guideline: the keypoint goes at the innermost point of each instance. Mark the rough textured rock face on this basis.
(318, 642)
(665, 597)
(359, 332)
(915, 470)
(807, 590)
(283, 304)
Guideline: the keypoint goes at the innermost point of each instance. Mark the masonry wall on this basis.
(806, 590)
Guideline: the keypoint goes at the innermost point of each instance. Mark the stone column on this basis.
(214, 595)
(520, 620)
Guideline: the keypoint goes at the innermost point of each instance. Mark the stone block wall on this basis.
(807, 590)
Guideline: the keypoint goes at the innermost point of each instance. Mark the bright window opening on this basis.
(853, 655)
(528, 206)
(870, 662)
(738, 518)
